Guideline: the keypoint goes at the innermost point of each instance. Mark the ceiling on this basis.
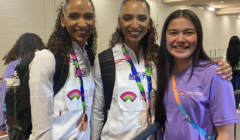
(222, 7)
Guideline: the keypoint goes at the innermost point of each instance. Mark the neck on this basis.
(181, 64)
(81, 45)
(135, 46)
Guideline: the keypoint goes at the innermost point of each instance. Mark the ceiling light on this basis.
(211, 9)
(189, 4)
(238, 16)
(222, 2)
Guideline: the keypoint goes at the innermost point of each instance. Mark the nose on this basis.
(181, 38)
(134, 24)
(81, 23)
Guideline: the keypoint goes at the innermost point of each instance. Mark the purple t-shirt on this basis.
(7, 74)
(208, 100)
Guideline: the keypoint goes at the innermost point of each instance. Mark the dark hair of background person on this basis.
(59, 41)
(148, 41)
(27, 42)
(233, 52)
(166, 60)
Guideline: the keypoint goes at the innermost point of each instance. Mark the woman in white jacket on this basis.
(67, 114)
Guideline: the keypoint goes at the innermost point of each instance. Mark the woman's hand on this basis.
(2, 133)
(224, 69)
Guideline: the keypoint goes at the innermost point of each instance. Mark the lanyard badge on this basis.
(82, 123)
(138, 80)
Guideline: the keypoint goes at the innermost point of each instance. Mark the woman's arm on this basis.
(42, 70)
(224, 69)
(97, 116)
(225, 132)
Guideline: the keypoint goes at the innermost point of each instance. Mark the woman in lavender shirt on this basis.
(26, 43)
(187, 80)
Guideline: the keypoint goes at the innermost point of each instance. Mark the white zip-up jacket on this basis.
(126, 118)
(57, 118)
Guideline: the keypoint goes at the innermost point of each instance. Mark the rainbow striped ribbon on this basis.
(79, 75)
(136, 76)
(197, 127)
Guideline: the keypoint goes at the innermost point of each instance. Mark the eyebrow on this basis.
(132, 15)
(78, 13)
(185, 29)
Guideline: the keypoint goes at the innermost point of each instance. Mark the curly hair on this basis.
(148, 41)
(60, 42)
(233, 52)
(27, 42)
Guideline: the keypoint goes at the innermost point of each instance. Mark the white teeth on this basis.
(81, 32)
(135, 33)
(181, 47)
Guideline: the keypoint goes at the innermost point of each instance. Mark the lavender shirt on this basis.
(7, 74)
(208, 100)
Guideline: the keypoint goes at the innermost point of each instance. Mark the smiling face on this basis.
(181, 39)
(134, 21)
(79, 20)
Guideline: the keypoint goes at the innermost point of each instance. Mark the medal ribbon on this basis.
(79, 75)
(198, 128)
(136, 75)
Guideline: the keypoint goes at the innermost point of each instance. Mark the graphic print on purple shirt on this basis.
(203, 98)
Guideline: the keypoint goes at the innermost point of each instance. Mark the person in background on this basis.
(67, 114)
(27, 42)
(197, 102)
(133, 98)
(232, 56)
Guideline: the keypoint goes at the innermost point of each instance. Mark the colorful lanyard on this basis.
(136, 75)
(198, 128)
(79, 75)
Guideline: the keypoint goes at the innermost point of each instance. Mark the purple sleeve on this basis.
(222, 102)
(7, 74)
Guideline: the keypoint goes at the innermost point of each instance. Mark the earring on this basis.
(149, 28)
(63, 27)
(119, 30)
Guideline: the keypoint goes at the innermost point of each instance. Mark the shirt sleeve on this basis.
(222, 102)
(97, 117)
(42, 70)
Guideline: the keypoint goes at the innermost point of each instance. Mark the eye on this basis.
(189, 33)
(142, 18)
(127, 18)
(173, 33)
(88, 16)
(73, 17)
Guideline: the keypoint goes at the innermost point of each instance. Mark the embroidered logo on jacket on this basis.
(128, 96)
(74, 94)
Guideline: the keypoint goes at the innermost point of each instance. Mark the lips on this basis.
(134, 33)
(82, 32)
(180, 47)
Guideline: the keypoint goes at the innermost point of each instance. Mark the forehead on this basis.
(77, 6)
(181, 23)
(135, 8)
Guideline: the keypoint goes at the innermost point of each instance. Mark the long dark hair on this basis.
(233, 52)
(148, 41)
(27, 42)
(166, 61)
(59, 41)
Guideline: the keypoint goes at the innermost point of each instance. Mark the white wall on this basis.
(38, 16)
(16, 18)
